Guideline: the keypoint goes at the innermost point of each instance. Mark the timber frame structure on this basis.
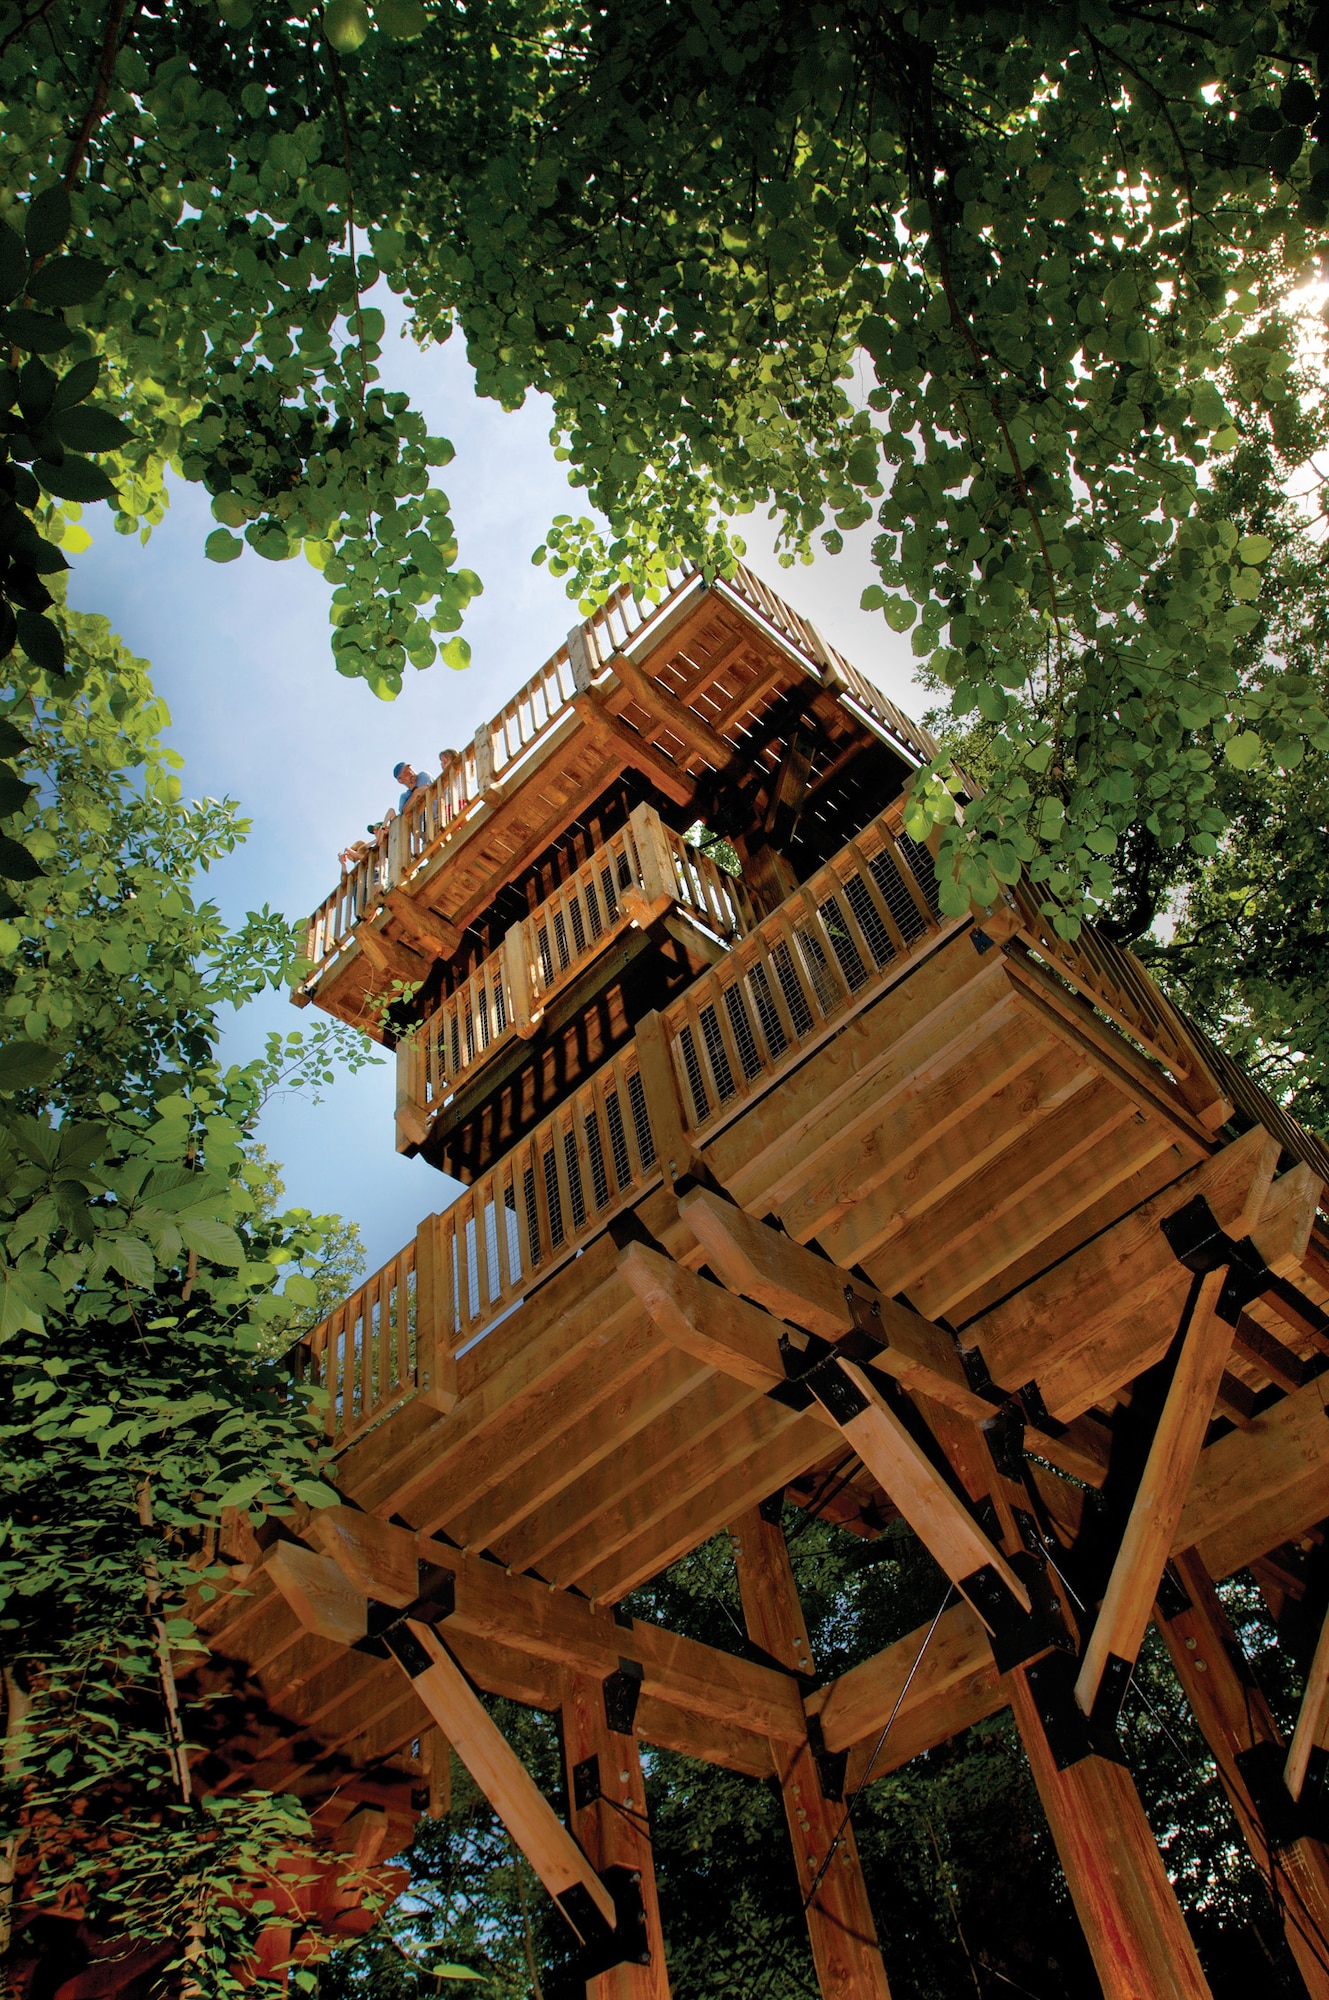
(769, 1177)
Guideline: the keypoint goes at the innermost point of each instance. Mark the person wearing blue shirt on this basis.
(414, 781)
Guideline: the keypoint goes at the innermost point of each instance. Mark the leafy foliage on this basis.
(1003, 279)
(147, 1280)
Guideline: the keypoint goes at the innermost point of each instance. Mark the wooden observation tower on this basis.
(771, 1176)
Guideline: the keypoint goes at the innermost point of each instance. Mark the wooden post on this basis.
(607, 1812)
(1132, 1923)
(412, 1127)
(673, 1149)
(843, 1936)
(436, 1363)
(1236, 1723)
(517, 981)
(659, 884)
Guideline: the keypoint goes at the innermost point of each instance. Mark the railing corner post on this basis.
(436, 1364)
(673, 1148)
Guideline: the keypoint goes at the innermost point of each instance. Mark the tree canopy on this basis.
(1013, 281)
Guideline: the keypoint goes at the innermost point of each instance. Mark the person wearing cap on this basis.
(414, 781)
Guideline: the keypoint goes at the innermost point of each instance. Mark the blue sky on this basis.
(240, 653)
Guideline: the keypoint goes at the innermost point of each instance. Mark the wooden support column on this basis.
(1236, 1723)
(843, 1936)
(607, 1798)
(1132, 1923)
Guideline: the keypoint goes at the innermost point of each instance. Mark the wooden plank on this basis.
(768, 1152)
(491, 1465)
(684, 1427)
(1071, 1018)
(723, 1331)
(1159, 1499)
(785, 1446)
(628, 748)
(505, 1781)
(841, 1930)
(1235, 1719)
(602, 1430)
(612, 1828)
(1060, 1168)
(855, 1707)
(1080, 1310)
(379, 1560)
(1136, 1934)
(318, 1593)
(936, 1159)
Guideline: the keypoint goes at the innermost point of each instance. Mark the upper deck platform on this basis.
(705, 700)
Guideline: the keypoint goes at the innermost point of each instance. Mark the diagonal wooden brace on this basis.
(503, 1778)
(1312, 1717)
(933, 1510)
(1156, 1509)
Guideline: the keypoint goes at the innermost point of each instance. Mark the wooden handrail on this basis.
(635, 875)
(785, 986)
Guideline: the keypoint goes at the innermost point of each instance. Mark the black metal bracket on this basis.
(436, 1601)
(622, 1692)
(1282, 1818)
(586, 1783)
(1070, 1734)
(1198, 1241)
(832, 1765)
(626, 1944)
(979, 1376)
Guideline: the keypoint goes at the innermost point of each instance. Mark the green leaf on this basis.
(76, 383)
(14, 791)
(16, 864)
(1243, 751)
(456, 653)
(49, 219)
(86, 428)
(449, 1971)
(74, 479)
(42, 641)
(222, 547)
(1255, 548)
(346, 24)
(19, 1308)
(12, 741)
(27, 1066)
(34, 333)
(131, 1257)
(13, 264)
(69, 281)
(216, 1241)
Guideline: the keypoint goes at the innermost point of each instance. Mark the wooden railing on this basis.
(789, 984)
(525, 726)
(1116, 983)
(365, 1355)
(639, 872)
